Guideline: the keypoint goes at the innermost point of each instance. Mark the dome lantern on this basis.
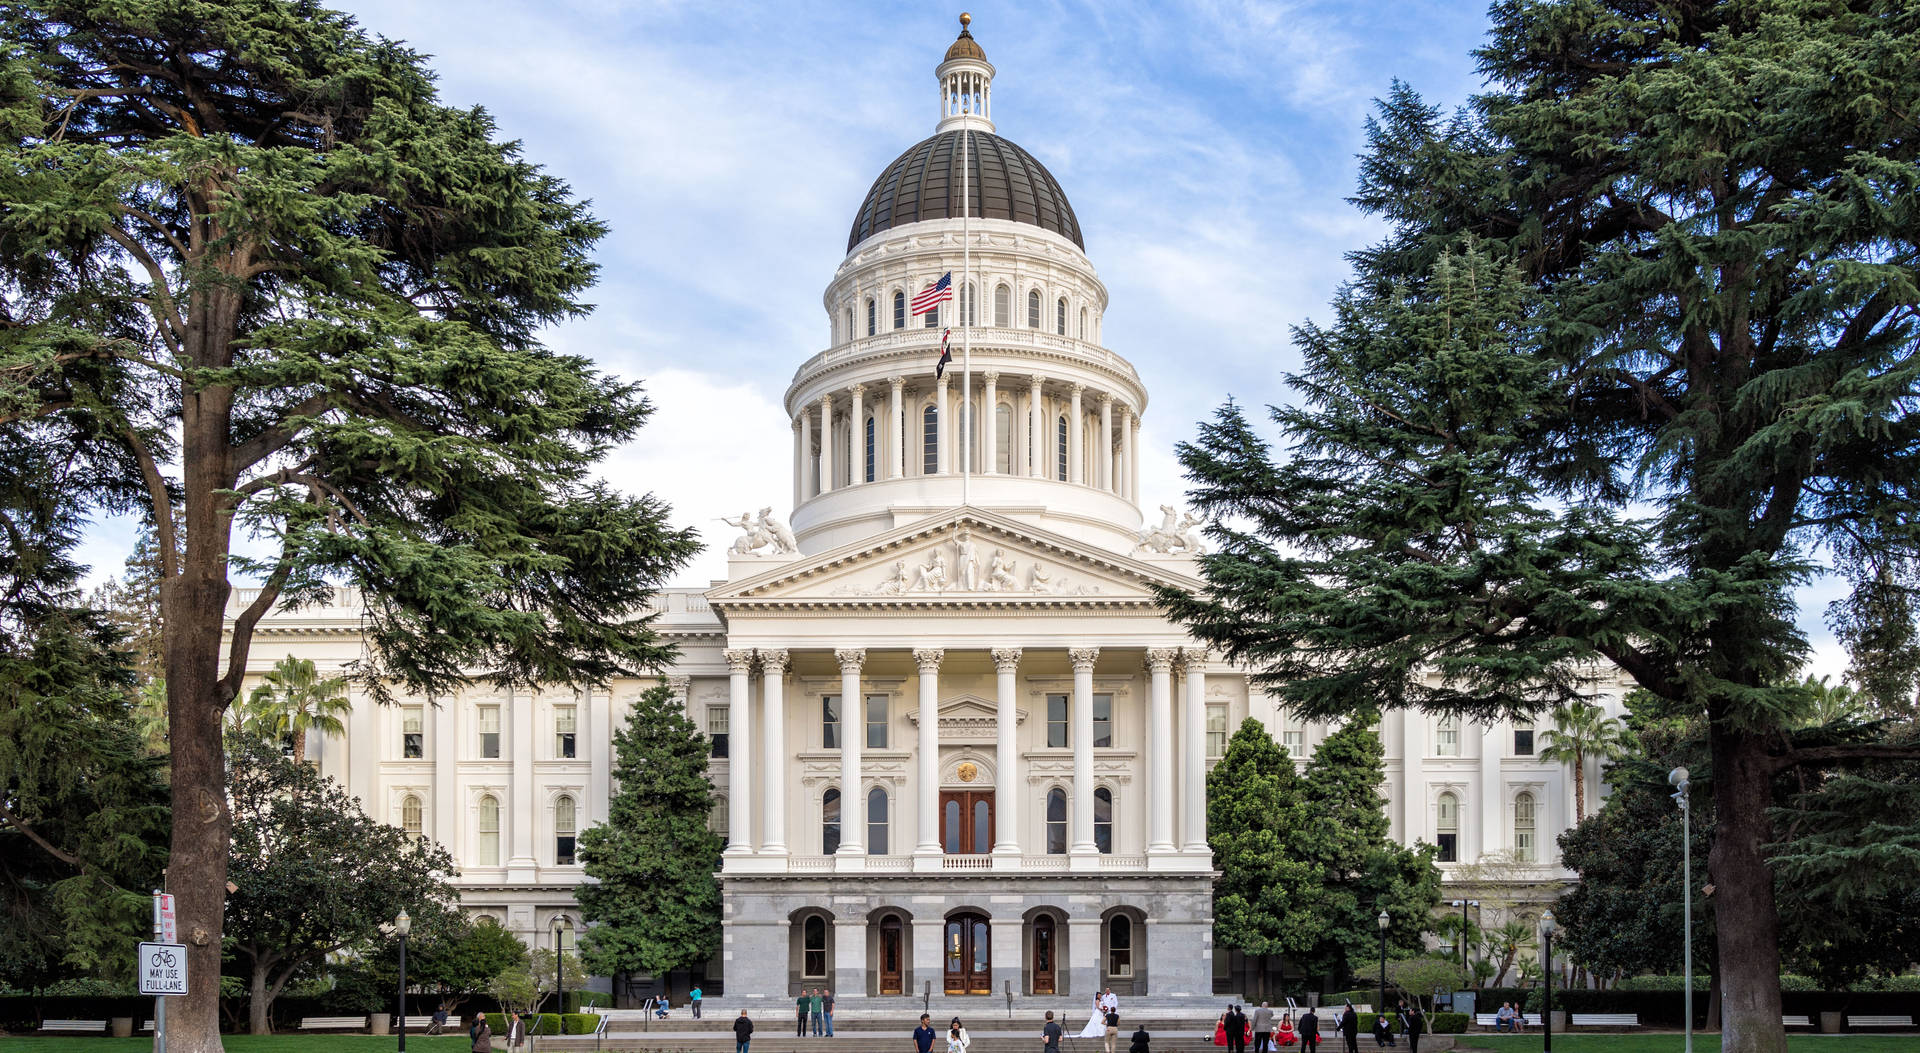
(966, 84)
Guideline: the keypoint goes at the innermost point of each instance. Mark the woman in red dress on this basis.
(1220, 1030)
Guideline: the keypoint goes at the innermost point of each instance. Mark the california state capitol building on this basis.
(955, 743)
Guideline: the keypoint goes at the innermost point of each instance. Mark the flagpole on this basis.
(967, 307)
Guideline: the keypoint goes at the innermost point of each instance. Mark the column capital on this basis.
(941, 382)
(850, 658)
(739, 660)
(1194, 657)
(1105, 398)
(928, 658)
(858, 390)
(1076, 390)
(678, 685)
(992, 376)
(1038, 380)
(773, 660)
(897, 383)
(826, 400)
(1161, 659)
(1083, 658)
(1006, 659)
(800, 421)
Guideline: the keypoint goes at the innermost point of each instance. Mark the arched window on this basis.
(1120, 946)
(870, 316)
(717, 820)
(830, 822)
(1083, 323)
(876, 822)
(563, 830)
(1056, 822)
(899, 310)
(487, 852)
(1447, 827)
(848, 331)
(813, 944)
(410, 817)
(930, 440)
(933, 318)
(1003, 439)
(870, 449)
(1060, 317)
(1033, 309)
(1523, 847)
(1103, 820)
(1060, 448)
(1002, 306)
(967, 305)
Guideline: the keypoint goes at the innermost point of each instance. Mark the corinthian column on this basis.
(799, 459)
(1193, 744)
(826, 443)
(990, 428)
(1083, 659)
(928, 791)
(1160, 750)
(943, 429)
(1133, 461)
(773, 751)
(1103, 450)
(739, 754)
(853, 731)
(1008, 781)
(857, 438)
(1037, 429)
(1125, 484)
(897, 442)
(1075, 471)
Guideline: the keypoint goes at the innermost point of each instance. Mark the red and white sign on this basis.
(163, 923)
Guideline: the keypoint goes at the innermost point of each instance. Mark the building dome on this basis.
(1006, 183)
(965, 46)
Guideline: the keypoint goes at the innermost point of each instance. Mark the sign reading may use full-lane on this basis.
(163, 969)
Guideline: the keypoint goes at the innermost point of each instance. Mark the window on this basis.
(813, 941)
(830, 822)
(410, 817)
(899, 310)
(1523, 738)
(1056, 722)
(1060, 449)
(413, 738)
(564, 746)
(563, 827)
(1448, 828)
(876, 722)
(1056, 822)
(1446, 742)
(1216, 732)
(1002, 306)
(1120, 946)
(870, 459)
(1060, 317)
(876, 822)
(848, 331)
(1523, 827)
(1103, 721)
(966, 305)
(1033, 309)
(717, 820)
(830, 722)
(870, 317)
(1294, 741)
(717, 729)
(487, 851)
(490, 732)
(930, 440)
(563, 936)
(1003, 439)
(933, 318)
(1103, 820)
(1083, 324)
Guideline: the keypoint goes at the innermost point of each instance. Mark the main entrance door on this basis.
(890, 956)
(1043, 955)
(966, 822)
(969, 955)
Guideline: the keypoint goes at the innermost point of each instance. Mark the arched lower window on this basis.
(899, 310)
(564, 816)
(1033, 309)
(870, 458)
(487, 851)
(1056, 822)
(847, 333)
(813, 945)
(1447, 827)
(870, 316)
(830, 822)
(1002, 306)
(410, 817)
(1060, 448)
(967, 305)
(930, 440)
(1120, 946)
(876, 822)
(1103, 820)
(1083, 323)
(1523, 842)
(1003, 439)
(1060, 317)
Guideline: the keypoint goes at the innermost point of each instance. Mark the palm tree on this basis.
(294, 699)
(1580, 731)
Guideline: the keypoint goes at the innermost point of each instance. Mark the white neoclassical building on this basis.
(956, 744)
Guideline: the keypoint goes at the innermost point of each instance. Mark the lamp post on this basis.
(1384, 921)
(1677, 778)
(401, 926)
(1547, 926)
(1466, 977)
(560, 924)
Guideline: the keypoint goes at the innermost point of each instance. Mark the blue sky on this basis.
(1207, 149)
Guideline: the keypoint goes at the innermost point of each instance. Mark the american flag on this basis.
(941, 292)
(946, 354)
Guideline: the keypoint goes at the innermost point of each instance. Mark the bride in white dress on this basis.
(1096, 1024)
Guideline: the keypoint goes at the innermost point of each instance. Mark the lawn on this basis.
(1674, 1043)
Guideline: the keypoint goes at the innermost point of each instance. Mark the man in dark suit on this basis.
(1350, 1027)
(1236, 1030)
(1309, 1028)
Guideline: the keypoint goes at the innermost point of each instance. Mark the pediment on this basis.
(966, 556)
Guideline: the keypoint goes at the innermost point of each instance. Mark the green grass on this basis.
(245, 1044)
(1674, 1043)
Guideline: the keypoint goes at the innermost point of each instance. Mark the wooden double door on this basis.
(969, 955)
(966, 822)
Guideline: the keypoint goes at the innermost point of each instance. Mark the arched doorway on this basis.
(1046, 957)
(892, 953)
(968, 951)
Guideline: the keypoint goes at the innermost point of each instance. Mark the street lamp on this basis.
(560, 960)
(401, 926)
(1547, 927)
(1677, 778)
(1466, 977)
(1384, 922)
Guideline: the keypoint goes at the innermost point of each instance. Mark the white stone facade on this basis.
(1025, 772)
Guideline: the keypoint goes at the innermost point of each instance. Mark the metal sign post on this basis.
(165, 933)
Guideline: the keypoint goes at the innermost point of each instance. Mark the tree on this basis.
(1419, 978)
(293, 699)
(1708, 388)
(132, 602)
(1581, 732)
(462, 960)
(653, 904)
(314, 874)
(523, 987)
(1266, 900)
(260, 282)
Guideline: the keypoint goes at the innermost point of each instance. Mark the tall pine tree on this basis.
(1266, 901)
(654, 904)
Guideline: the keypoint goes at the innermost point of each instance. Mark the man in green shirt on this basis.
(800, 1006)
(815, 1007)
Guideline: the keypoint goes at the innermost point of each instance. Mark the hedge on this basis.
(1664, 1008)
(549, 1023)
(1437, 1023)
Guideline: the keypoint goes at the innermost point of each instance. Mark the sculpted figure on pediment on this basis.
(1000, 573)
(966, 566)
(932, 577)
(895, 583)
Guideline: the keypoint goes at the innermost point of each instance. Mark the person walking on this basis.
(816, 1007)
(826, 1009)
(1350, 1027)
(1262, 1027)
(923, 1035)
(800, 1009)
(694, 997)
(480, 1035)
(1309, 1031)
(742, 1031)
(1236, 1023)
(1414, 1023)
(1050, 1035)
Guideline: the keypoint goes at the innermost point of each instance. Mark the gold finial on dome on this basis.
(964, 46)
(965, 20)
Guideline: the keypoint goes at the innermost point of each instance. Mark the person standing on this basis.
(1350, 1027)
(1236, 1025)
(961, 1035)
(694, 997)
(800, 1009)
(923, 1035)
(1140, 1041)
(1050, 1035)
(517, 1031)
(816, 1007)
(1262, 1027)
(742, 1031)
(1414, 1023)
(481, 1035)
(1309, 1031)
(826, 1009)
(1112, 1035)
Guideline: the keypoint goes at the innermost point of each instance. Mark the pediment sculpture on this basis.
(762, 533)
(933, 571)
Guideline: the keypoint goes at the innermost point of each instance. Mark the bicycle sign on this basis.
(163, 969)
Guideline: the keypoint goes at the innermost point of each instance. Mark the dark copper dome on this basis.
(924, 183)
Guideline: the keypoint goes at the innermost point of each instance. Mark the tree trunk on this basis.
(257, 1019)
(1579, 787)
(1745, 917)
(299, 747)
(1713, 1003)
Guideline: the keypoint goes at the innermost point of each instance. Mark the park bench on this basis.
(1605, 1019)
(1796, 1021)
(1879, 1021)
(332, 1023)
(73, 1025)
(1492, 1019)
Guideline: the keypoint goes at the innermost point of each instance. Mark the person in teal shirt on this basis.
(815, 1008)
(694, 997)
